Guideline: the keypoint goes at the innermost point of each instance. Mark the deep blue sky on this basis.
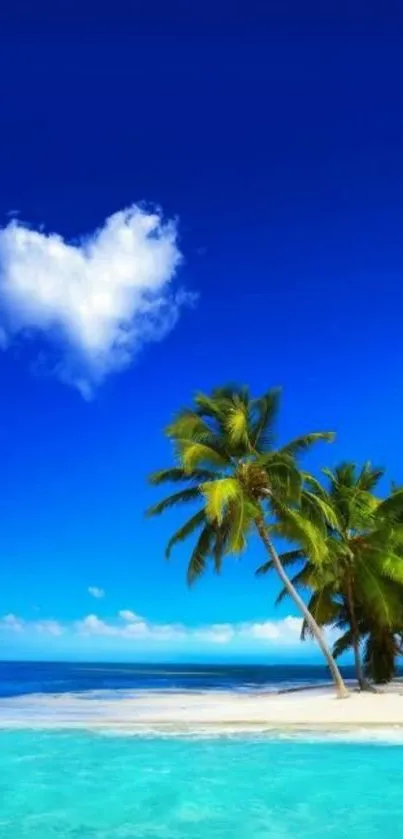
(278, 145)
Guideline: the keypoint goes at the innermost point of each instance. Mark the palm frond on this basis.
(283, 476)
(193, 455)
(231, 392)
(286, 558)
(294, 526)
(264, 410)
(387, 564)
(370, 476)
(380, 599)
(237, 423)
(188, 425)
(218, 495)
(186, 530)
(313, 485)
(220, 543)
(392, 508)
(211, 406)
(243, 514)
(300, 580)
(318, 511)
(200, 555)
(345, 474)
(323, 609)
(305, 442)
(183, 497)
(343, 644)
(177, 474)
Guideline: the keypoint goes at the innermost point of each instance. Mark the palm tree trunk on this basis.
(342, 691)
(355, 633)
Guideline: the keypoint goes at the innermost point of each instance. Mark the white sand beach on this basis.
(313, 709)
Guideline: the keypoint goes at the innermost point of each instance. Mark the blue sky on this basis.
(274, 149)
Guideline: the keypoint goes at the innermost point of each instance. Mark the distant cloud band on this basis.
(131, 627)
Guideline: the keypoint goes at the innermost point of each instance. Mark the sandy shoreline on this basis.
(316, 709)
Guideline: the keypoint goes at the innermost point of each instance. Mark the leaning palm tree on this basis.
(226, 459)
(361, 581)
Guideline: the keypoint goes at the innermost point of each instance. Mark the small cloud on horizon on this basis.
(96, 592)
(14, 624)
(97, 301)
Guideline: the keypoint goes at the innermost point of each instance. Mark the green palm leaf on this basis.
(343, 644)
(300, 580)
(305, 442)
(200, 554)
(218, 495)
(186, 530)
(318, 511)
(286, 558)
(392, 508)
(238, 423)
(188, 425)
(182, 497)
(193, 455)
(264, 410)
(294, 526)
(323, 608)
(177, 474)
(370, 476)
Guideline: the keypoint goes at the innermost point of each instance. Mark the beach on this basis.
(315, 708)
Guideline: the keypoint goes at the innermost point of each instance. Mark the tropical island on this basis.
(344, 566)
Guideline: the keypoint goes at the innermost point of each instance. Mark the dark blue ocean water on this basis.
(18, 678)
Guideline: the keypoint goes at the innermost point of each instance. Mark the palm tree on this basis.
(359, 583)
(382, 647)
(224, 447)
(382, 644)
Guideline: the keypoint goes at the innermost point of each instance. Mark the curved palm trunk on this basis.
(342, 691)
(363, 683)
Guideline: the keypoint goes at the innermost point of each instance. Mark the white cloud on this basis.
(130, 627)
(92, 625)
(287, 629)
(129, 616)
(12, 623)
(218, 633)
(139, 629)
(97, 300)
(49, 627)
(96, 592)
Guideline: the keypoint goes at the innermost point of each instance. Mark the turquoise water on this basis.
(77, 785)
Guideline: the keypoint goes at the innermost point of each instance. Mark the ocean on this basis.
(103, 783)
(17, 678)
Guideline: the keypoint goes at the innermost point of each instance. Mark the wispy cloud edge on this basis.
(96, 591)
